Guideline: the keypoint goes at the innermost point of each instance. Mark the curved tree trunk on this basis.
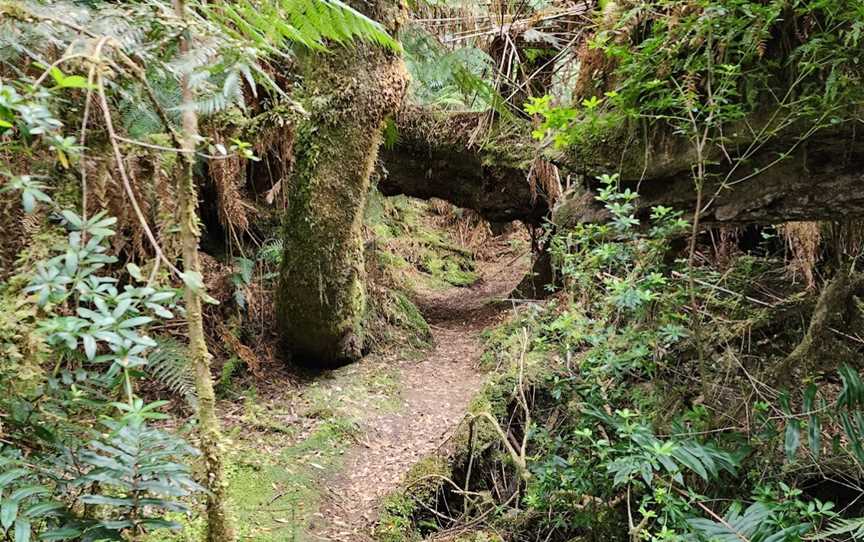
(321, 302)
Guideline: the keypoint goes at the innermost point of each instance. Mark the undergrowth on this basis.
(414, 246)
(632, 430)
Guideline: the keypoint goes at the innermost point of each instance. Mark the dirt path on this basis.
(435, 393)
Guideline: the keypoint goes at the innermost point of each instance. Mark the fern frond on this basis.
(168, 363)
(752, 524)
(275, 25)
(457, 78)
(848, 529)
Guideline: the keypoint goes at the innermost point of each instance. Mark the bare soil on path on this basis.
(434, 391)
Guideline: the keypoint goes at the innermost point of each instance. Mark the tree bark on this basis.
(321, 301)
(219, 525)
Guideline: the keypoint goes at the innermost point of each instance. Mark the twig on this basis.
(713, 515)
(127, 185)
(725, 290)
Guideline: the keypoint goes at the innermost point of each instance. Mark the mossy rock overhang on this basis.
(789, 178)
(439, 154)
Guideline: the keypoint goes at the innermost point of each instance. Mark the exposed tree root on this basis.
(830, 310)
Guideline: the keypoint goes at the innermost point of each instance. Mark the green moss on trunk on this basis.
(321, 303)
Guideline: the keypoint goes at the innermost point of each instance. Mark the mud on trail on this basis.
(434, 391)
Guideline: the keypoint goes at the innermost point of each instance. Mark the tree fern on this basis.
(276, 25)
(454, 79)
(168, 363)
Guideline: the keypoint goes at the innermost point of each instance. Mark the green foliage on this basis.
(753, 524)
(610, 346)
(168, 364)
(642, 455)
(842, 529)
(718, 59)
(241, 277)
(32, 191)
(274, 25)
(720, 72)
(83, 325)
(132, 474)
(451, 79)
(136, 473)
(24, 501)
(104, 315)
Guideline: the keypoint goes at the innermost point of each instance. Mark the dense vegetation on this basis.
(190, 187)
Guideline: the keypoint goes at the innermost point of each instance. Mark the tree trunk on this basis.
(321, 302)
(219, 527)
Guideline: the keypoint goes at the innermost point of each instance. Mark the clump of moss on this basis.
(410, 241)
(402, 511)
(480, 536)
(396, 319)
(449, 270)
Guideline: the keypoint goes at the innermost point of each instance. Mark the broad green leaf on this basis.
(155, 523)
(57, 74)
(691, 462)
(74, 81)
(135, 322)
(22, 530)
(814, 426)
(10, 476)
(28, 491)
(43, 509)
(110, 501)
(72, 218)
(64, 533)
(8, 513)
(134, 271)
(89, 346)
(793, 438)
(28, 201)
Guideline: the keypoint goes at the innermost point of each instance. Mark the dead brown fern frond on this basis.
(243, 352)
(135, 170)
(229, 174)
(728, 245)
(167, 226)
(544, 180)
(803, 240)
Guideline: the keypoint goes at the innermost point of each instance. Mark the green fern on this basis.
(271, 252)
(168, 363)
(842, 529)
(454, 79)
(754, 525)
(276, 25)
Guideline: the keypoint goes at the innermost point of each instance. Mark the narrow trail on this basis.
(435, 392)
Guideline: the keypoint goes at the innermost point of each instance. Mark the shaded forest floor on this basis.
(312, 456)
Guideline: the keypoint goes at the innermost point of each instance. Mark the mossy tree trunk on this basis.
(321, 302)
(219, 524)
